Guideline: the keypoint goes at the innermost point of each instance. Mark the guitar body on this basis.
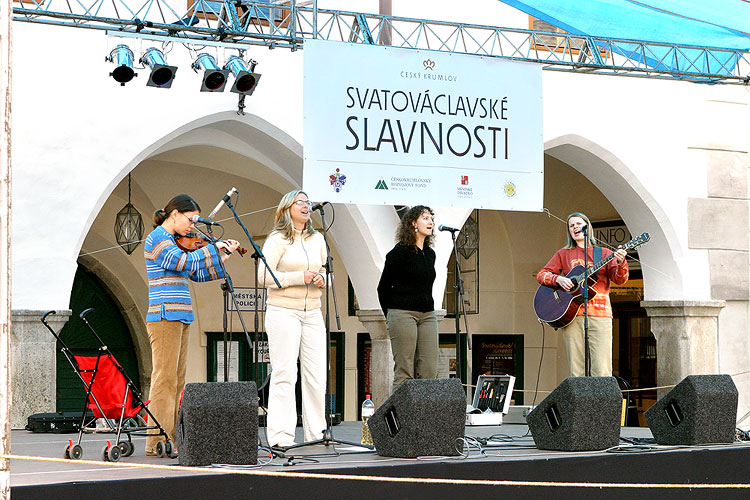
(558, 308)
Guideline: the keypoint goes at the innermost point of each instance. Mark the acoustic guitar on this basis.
(558, 307)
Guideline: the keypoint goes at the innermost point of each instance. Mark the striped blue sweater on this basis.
(168, 269)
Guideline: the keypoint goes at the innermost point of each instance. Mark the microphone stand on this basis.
(256, 248)
(586, 351)
(460, 309)
(257, 254)
(256, 316)
(328, 433)
(228, 291)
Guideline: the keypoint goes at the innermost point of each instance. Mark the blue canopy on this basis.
(717, 24)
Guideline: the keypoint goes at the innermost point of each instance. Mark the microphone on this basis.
(448, 228)
(318, 206)
(582, 229)
(197, 219)
(223, 202)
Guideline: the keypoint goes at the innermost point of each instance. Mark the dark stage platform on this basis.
(506, 466)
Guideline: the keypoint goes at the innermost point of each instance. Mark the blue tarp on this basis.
(705, 23)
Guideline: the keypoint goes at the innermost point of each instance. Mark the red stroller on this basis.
(113, 397)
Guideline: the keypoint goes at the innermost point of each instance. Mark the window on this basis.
(259, 13)
(467, 242)
(551, 43)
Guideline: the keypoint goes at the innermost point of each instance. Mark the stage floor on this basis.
(508, 454)
(308, 458)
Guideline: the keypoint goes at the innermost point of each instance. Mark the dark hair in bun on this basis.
(182, 203)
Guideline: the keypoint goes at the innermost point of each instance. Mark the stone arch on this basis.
(254, 144)
(637, 207)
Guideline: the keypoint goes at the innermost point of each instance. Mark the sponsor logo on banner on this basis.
(510, 189)
(337, 180)
(381, 184)
(463, 192)
(410, 183)
(429, 65)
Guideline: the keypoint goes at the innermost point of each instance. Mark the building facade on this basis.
(667, 158)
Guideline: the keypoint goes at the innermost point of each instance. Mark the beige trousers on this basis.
(293, 335)
(414, 343)
(600, 346)
(169, 357)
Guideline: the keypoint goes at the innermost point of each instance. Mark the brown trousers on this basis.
(169, 357)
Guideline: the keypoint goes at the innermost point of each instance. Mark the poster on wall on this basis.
(386, 125)
(499, 354)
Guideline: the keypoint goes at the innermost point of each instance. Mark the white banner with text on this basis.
(385, 125)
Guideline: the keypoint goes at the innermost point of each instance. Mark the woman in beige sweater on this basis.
(296, 253)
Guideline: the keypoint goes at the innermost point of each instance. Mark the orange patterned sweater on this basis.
(566, 259)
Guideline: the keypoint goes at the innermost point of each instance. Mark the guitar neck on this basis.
(595, 268)
(627, 246)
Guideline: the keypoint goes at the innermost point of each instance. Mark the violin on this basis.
(193, 241)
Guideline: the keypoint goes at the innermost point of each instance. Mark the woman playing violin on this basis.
(170, 310)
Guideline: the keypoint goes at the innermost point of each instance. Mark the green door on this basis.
(109, 324)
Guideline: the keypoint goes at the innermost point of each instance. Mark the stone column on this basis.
(33, 366)
(381, 357)
(686, 338)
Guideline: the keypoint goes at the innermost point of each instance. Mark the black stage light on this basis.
(122, 57)
(245, 79)
(214, 78)
(162, 74)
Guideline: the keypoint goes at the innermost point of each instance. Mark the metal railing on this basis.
(286, 24)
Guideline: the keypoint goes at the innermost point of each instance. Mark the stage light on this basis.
(214, 78)
(245, 79)
(162, 74)
(122, 56)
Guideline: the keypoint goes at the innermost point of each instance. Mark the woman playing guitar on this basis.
(599, 307)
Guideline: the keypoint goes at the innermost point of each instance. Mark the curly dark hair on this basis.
(405, 233)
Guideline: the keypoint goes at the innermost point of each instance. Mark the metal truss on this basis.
(286, 24)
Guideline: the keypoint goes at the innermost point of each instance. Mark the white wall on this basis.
(76, 134)
(645, 125)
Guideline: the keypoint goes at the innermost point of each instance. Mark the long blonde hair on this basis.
(283, 223)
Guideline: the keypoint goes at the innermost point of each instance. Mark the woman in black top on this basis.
(405, 294)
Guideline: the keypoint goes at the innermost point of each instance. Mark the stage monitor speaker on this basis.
(423, 417)
(218, 424)
(581, 414)
(699, 410)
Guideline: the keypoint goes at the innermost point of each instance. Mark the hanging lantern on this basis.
(467, 241)
(129, 226)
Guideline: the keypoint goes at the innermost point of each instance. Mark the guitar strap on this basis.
(597, 254)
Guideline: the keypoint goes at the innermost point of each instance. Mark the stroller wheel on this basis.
(114, 454)
(105, 453)
(126, 448)
(161, 449)
(75, 452)
(170, 450)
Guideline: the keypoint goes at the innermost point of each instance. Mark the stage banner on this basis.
(385, 125)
